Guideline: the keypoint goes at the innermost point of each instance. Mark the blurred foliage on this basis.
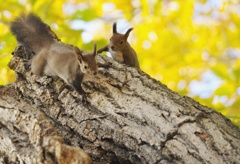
(191, 46)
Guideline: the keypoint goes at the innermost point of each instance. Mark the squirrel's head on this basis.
(87, 62)
(118, 41)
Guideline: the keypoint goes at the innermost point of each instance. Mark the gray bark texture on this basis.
(129, 118)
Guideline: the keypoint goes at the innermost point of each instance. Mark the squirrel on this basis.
(27, 53)
(53, 58)
(120, 49)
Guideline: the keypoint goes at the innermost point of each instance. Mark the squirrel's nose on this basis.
(112, 47)
(94, 73)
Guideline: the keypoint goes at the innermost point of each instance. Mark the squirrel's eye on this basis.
(121, 42)
(85, 67)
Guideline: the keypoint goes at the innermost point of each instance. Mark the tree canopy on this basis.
(191, 46)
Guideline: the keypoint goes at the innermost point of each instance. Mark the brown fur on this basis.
(120, 49)
(51, 57)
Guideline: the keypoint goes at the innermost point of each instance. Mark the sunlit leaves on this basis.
(225, 89)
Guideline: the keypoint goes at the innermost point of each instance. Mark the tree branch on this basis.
(130, 118)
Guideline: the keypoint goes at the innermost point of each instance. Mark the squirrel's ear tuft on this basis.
(127, 33)
(114, 27)
(94, 49)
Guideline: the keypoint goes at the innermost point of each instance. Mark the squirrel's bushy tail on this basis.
(31, 32)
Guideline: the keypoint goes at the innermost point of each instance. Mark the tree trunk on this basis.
(129, 118)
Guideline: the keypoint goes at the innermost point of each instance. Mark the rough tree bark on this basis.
(130, 118)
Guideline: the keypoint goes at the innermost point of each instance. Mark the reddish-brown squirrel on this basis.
(53, 58)
(120, 49)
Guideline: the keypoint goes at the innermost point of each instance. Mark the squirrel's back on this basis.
(31, 32)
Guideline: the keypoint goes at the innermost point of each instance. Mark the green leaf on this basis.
(225, 89)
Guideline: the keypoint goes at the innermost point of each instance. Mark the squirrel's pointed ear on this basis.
(78, 54)
(79, 58)
(127, 33)
(114, 27)
(94, 49)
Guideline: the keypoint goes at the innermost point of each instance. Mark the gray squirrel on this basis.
(53, 58)
(120, 49)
